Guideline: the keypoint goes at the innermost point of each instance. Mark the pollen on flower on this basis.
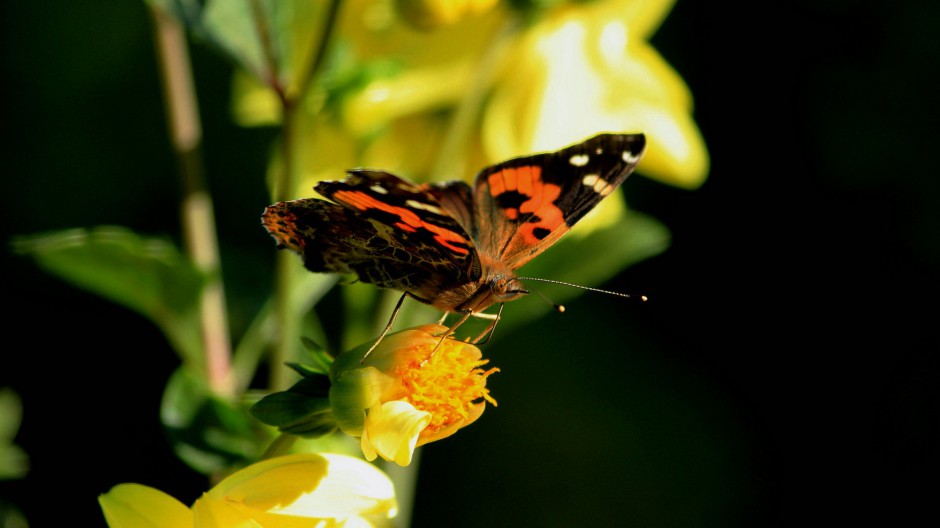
(448, 384)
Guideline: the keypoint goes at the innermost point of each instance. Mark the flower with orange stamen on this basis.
(411, 390)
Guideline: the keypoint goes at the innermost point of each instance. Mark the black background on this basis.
(783, 372)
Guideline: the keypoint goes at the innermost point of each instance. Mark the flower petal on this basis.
(392, 430)
(476, 411)
(215, 512)
(307, 485)
(352, 487)
(271, 483)
(139, 506)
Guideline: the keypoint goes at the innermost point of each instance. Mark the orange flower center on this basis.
(447, 384)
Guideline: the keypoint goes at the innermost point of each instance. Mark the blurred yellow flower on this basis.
(287, 492)
(579, 69)
(588, 68)
(534, 83)
(402, 396)
(428, 14)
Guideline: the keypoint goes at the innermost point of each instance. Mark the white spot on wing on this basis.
(630, 157)
(579, 160)
(597, 184)
(414, 204)
(379, 189)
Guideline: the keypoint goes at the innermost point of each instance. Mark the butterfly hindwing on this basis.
(523, 205)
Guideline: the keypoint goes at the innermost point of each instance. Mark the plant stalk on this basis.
(288, 323)
(197, 217)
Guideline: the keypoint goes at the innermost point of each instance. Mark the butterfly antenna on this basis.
(560, 308)
(598, 290)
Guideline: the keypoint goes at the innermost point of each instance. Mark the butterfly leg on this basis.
(491, 328)
(466, 315)
(387, 327)
(450, 331)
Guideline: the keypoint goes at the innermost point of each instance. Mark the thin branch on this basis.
(271, 56)
(288, 322)
(198, 221)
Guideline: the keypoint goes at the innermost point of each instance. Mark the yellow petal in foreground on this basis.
(323, 486)
(139, 506)
(292, 491)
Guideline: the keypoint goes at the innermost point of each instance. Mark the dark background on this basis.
(784, 371)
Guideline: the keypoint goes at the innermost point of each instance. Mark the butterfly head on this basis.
(503, 289)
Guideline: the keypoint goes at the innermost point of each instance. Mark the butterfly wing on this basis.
(525, 204)
(456, 198)
(384, 229)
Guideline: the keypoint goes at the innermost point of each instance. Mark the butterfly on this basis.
(450, 245)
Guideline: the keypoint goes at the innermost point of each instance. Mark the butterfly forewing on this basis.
(385, 230)
(535, 199)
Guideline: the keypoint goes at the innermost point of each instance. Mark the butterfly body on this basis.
(452, 246)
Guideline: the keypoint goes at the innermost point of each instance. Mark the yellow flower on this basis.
(429, 14)
(403, 396)
(579, 69)
(285, 492)
(589, 68)
(568, 72)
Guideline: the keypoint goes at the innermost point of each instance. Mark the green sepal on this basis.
(322, 361)
(305, 370)
(296, 414)
(303, 410)
(354, 391)
(321, 358)
(317, 386)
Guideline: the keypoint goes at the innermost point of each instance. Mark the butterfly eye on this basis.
(504, 289)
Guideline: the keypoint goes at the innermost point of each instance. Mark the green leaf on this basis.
(14, 463)
(206, 432)
(147, 275)
(271, 39)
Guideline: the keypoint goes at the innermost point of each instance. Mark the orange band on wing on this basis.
(410, 221)
(526, 181)
(522, 179)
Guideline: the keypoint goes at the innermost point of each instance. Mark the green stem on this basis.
(288, 322)
(280, 446)
(271, 58)
(198, 219)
